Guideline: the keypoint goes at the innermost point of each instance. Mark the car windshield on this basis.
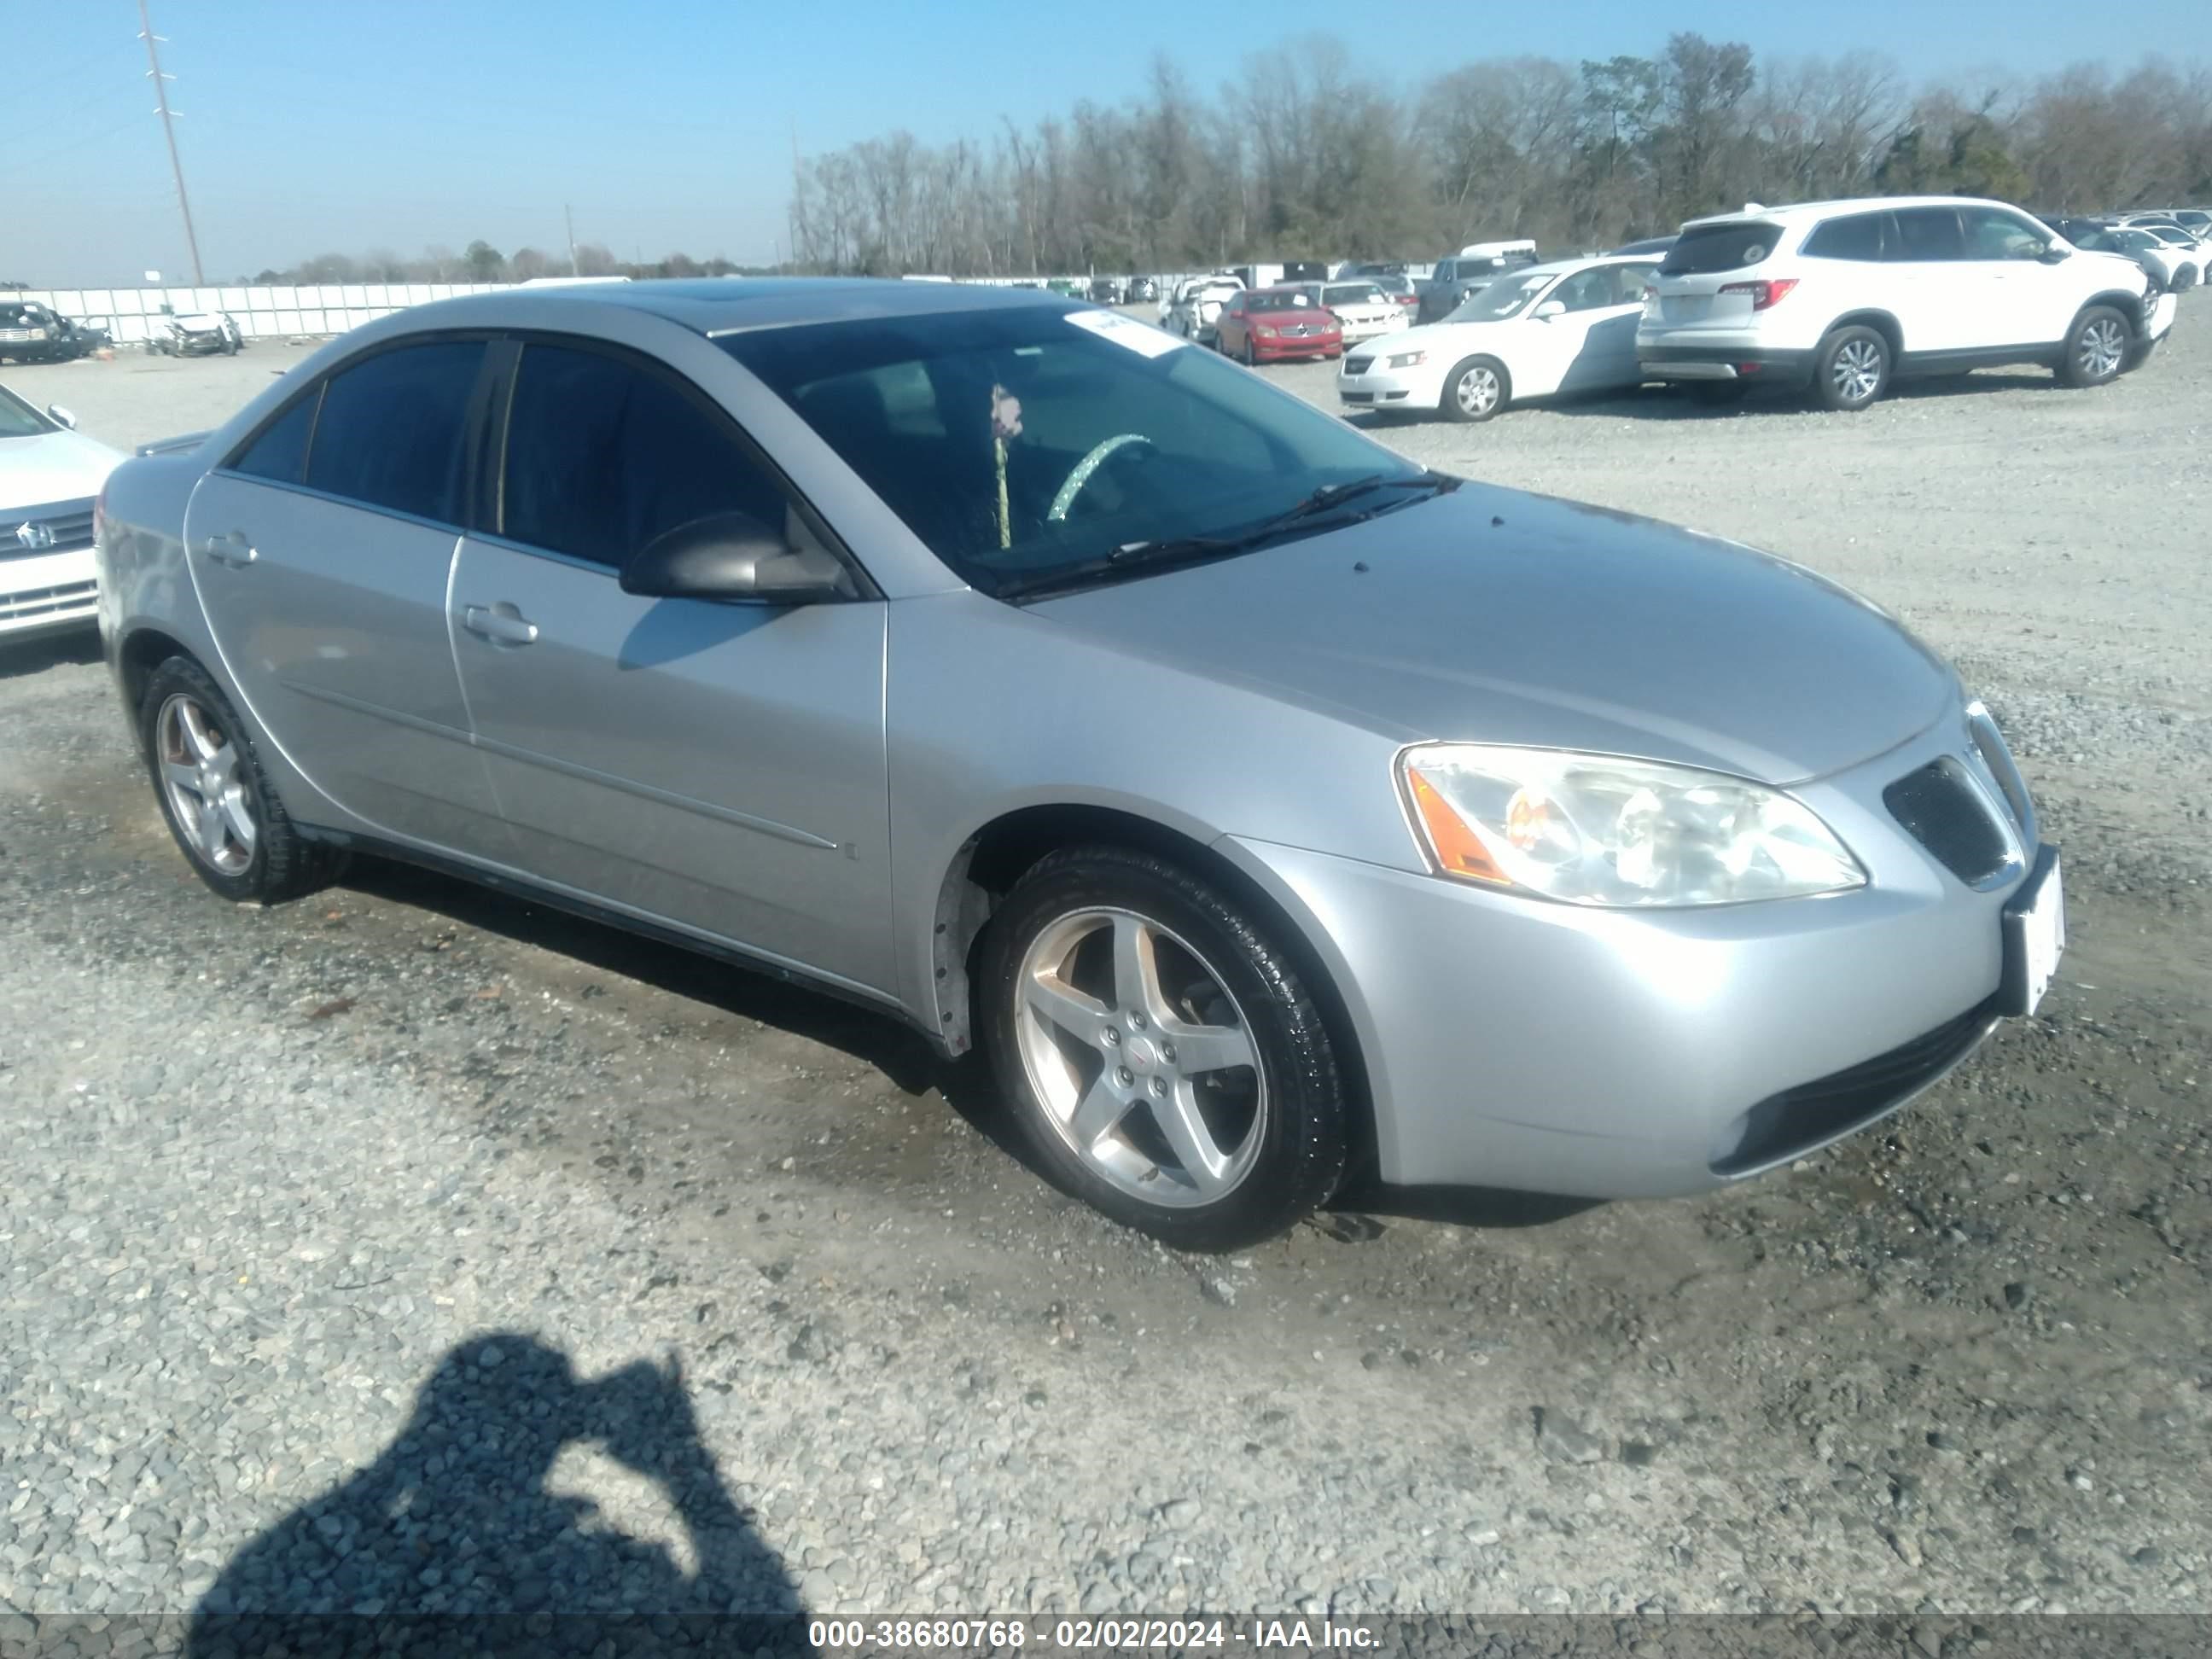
(1506, 297)
(18, 419)
(1289, 299)
(1122, 437)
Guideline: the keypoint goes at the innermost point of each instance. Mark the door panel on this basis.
(1944, 302)
(718, 766)
(331, 620)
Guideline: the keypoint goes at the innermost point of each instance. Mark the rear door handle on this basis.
(502, 623)
(234, 549)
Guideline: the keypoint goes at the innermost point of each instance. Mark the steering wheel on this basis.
(1084, 468)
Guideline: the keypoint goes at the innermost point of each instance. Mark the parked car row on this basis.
(1840, 299)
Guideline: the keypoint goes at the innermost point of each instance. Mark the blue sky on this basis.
(314, 125)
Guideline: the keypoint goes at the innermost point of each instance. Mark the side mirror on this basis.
(61, 416)
(734, 555)
(2051, 254)
(1550, 309)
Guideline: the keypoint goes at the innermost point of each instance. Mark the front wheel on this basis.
(2096, 347)
(1850, 368)
(1476, 390)
(1163, 1056)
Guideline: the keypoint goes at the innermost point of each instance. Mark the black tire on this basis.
(1247, 355)
(1852, 368)
(1304, 1135)
(282, 865)
(2096, 348)
(1461, 398)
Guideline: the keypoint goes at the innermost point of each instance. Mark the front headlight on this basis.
(1406, 360)
(1592, 829)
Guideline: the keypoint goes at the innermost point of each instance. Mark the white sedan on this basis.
(1364, 310)
(49, 476)
(1564, 327)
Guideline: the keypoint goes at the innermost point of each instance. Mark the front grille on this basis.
(1782, 1126)
(1357, 365)
(69, 523)
(1298, 330)
(36, 602)
(1941, 808)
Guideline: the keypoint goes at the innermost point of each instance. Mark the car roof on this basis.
(729, 305)
(1797, 212)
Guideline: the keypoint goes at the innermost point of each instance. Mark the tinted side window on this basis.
(1854, 236)
(1928, 232)
(393, 430)
(603, 456)
(1719, 247)
(280, 453)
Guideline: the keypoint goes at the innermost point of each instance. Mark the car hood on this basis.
(1310, 317)
(53, 466)
(1491, 616)
(1445, 338)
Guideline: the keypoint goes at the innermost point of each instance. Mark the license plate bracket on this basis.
(2034, 936)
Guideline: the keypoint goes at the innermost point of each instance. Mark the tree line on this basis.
(1304, 156)
(480, 262)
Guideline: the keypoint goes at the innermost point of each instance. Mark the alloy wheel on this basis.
(1855, 371)
(1139, 1057)
(2102, 347)
(1477, 391)
(206, 788)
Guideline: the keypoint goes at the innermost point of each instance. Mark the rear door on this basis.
(718, 766)
(1604, 305)
(321, 552)
(1945, 302)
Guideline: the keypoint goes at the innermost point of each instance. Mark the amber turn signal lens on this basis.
(1458, 849)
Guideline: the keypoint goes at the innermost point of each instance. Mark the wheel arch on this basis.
(2130, 306)
(986, 866)
(143, 650)
(1883, 323)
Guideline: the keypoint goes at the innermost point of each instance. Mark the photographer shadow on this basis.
(456, 1518)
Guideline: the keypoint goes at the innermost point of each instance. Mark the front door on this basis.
(716, 766)
(1604, 304)
(321, 553)
(1942, 299)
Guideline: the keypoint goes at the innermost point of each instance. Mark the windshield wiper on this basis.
(1196, 549)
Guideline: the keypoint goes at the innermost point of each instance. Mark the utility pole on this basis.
(169, 129)
(568, 215)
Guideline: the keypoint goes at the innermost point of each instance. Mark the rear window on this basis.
(1719, 247)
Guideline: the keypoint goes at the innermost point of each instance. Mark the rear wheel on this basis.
(1850, 368)
(222, 809)
(1476, 390)
(2096, 347)
(1161, 1053)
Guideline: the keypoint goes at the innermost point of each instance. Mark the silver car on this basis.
(1272, 812)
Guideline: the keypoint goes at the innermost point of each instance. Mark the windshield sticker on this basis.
(1127, 331)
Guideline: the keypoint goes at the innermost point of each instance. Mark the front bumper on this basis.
(1279, 349)
(48, 593)
(1512, 1043)
(1418, 387)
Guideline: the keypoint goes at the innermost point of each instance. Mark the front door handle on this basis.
(500, 623)
(234, 549)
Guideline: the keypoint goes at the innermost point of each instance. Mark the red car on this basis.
(1268, 325)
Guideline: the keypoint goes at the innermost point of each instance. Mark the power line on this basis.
(169, 131)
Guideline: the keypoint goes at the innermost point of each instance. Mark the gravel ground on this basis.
(412, 1247)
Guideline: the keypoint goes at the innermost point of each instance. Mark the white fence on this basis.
(259, 313)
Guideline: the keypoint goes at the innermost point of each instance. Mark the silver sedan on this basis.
(1271, 811)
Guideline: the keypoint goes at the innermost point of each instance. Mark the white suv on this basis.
(1844, 296)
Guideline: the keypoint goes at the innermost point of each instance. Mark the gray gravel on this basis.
(410, 1248)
